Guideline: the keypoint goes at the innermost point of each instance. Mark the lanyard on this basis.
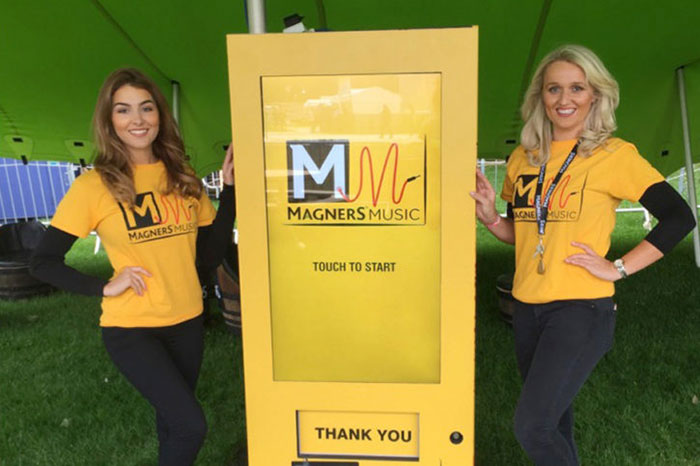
(542, 206)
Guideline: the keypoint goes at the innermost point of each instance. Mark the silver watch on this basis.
(620, 266)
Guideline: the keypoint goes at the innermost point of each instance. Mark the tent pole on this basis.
(256, 16)
(692, 195)
(176, 102)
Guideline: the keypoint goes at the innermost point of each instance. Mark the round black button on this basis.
(456, 438)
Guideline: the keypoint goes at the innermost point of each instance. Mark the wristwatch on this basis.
(620, 266)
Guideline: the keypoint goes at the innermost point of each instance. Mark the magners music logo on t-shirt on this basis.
(564, 205)
(158, 216)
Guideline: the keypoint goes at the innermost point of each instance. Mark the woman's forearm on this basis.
(503, 229)
(48, 265)
(213, 240)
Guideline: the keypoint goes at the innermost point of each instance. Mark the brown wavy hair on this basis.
(112, 161)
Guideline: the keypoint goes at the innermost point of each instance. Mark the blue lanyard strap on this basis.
(541, 207)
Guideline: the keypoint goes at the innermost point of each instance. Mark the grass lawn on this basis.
(640, 406)
(62, 402)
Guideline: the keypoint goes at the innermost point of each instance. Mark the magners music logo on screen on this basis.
(336, 182)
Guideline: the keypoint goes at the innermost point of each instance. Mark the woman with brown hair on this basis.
(562, 186)
(155, 222)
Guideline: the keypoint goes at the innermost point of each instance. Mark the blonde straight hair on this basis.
(536, 136)
(112, 161)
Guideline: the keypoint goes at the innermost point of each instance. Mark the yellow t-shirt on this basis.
(159, 234)
(582, 209)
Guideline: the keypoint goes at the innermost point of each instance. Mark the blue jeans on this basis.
(557, 345)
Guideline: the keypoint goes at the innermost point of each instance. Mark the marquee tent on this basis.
(54, 56)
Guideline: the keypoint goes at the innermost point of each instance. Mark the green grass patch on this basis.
(62, 402)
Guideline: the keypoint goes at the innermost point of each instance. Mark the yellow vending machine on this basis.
(354, 156)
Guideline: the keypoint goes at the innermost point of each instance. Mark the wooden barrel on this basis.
(228, 291)
(17, 283)
(17, 241)
(506, 302)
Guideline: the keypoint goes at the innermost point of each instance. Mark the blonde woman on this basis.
(562, 186)
(155, 222)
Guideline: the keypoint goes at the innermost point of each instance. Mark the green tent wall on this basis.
(54, 56)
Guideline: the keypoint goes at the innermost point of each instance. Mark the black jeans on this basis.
(557, 346)
(163, 364)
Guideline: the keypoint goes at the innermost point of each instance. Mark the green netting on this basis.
(54, 56)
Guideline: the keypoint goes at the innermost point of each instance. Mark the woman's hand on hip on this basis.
(227, 166)
(128, 277)
(595, 264)
(485, 198)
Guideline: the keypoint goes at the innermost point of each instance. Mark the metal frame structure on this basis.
(692, 195)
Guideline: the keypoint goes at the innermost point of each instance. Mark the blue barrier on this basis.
(32, 190)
